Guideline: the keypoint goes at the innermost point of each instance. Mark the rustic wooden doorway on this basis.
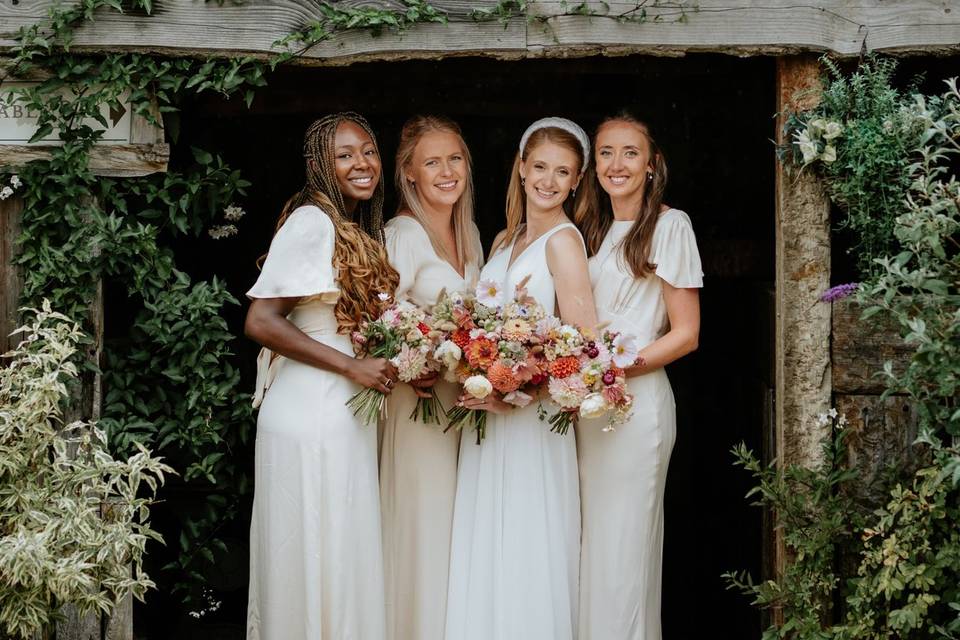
(713, 116)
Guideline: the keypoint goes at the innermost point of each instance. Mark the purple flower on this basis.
(839, 292)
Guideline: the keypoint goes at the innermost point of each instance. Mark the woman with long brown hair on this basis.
(646, 274)
(316, 568)
(434, 245)
(516, 531)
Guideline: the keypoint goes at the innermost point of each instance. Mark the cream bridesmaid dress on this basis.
(516, 528)
(418, 462)
(316, 569)
(623, 473)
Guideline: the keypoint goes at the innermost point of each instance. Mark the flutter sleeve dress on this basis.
(316, 568)
(623, 472)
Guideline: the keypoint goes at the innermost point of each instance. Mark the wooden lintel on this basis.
(738, 27)
(126, 160)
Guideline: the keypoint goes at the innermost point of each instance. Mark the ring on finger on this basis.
(388, 384)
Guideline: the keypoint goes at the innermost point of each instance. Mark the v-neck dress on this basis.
(516, 526)
(623, 473)
(418, 462)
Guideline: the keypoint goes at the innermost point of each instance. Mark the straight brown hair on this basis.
(636, 246)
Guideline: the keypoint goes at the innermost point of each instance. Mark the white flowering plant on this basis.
(74, 521)
(861, 139)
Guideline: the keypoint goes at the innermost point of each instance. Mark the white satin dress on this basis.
(516, 525)
(623, 473)
(418, 462)
(316, 568)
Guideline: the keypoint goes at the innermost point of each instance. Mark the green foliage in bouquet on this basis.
(73, 519)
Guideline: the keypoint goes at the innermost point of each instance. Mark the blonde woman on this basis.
(316, 567)
(516, 533)
(434, 245)
(646, 274)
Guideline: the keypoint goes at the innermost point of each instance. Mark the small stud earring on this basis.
(523, 181)
(649, 176)
(573, 193)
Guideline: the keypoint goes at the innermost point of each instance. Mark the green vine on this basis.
(170, 383)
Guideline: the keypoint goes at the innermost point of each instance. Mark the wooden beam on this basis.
(803, 374)
(126, 160)
(740, 27)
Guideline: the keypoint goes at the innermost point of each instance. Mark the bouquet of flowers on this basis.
(490, 345)
(403, 334)
(587, 375)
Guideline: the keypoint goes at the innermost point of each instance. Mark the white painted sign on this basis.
(17, 124)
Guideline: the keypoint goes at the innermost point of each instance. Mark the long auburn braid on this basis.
(359, 257)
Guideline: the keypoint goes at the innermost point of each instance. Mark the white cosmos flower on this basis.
(477, 386)
(489, 293)
(593, 406)
(625, 350)
(383, 297)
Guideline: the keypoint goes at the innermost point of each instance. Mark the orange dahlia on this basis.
(563, 367)
(502, 378)
(481, 353)
(461, 337)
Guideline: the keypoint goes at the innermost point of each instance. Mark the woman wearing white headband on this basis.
(516, 529)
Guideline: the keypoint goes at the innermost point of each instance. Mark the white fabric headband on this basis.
(569, 126)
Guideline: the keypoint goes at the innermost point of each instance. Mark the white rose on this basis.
(477, 386)
(449, 354)
(593, 406)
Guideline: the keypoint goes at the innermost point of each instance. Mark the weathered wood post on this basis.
(803, 373)
(136, 148)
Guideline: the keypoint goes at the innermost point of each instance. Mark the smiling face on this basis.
(623, 159)
(438, 169)
(356, 163)
(550, 171)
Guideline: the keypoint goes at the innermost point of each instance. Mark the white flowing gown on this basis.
(418, 462)
(516, 526)
(623, 473)
(316, 569)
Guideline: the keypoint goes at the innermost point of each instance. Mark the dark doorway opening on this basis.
(713, 117)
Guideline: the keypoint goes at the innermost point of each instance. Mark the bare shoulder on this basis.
(566, 242)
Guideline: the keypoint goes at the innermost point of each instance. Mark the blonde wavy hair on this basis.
(359, 257)
(413, 130)
(578, 207)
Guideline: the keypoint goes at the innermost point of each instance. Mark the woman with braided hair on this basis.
(316, 567)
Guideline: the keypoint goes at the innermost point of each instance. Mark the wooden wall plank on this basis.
(860, 349)
(10, 284)
(741, 27)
